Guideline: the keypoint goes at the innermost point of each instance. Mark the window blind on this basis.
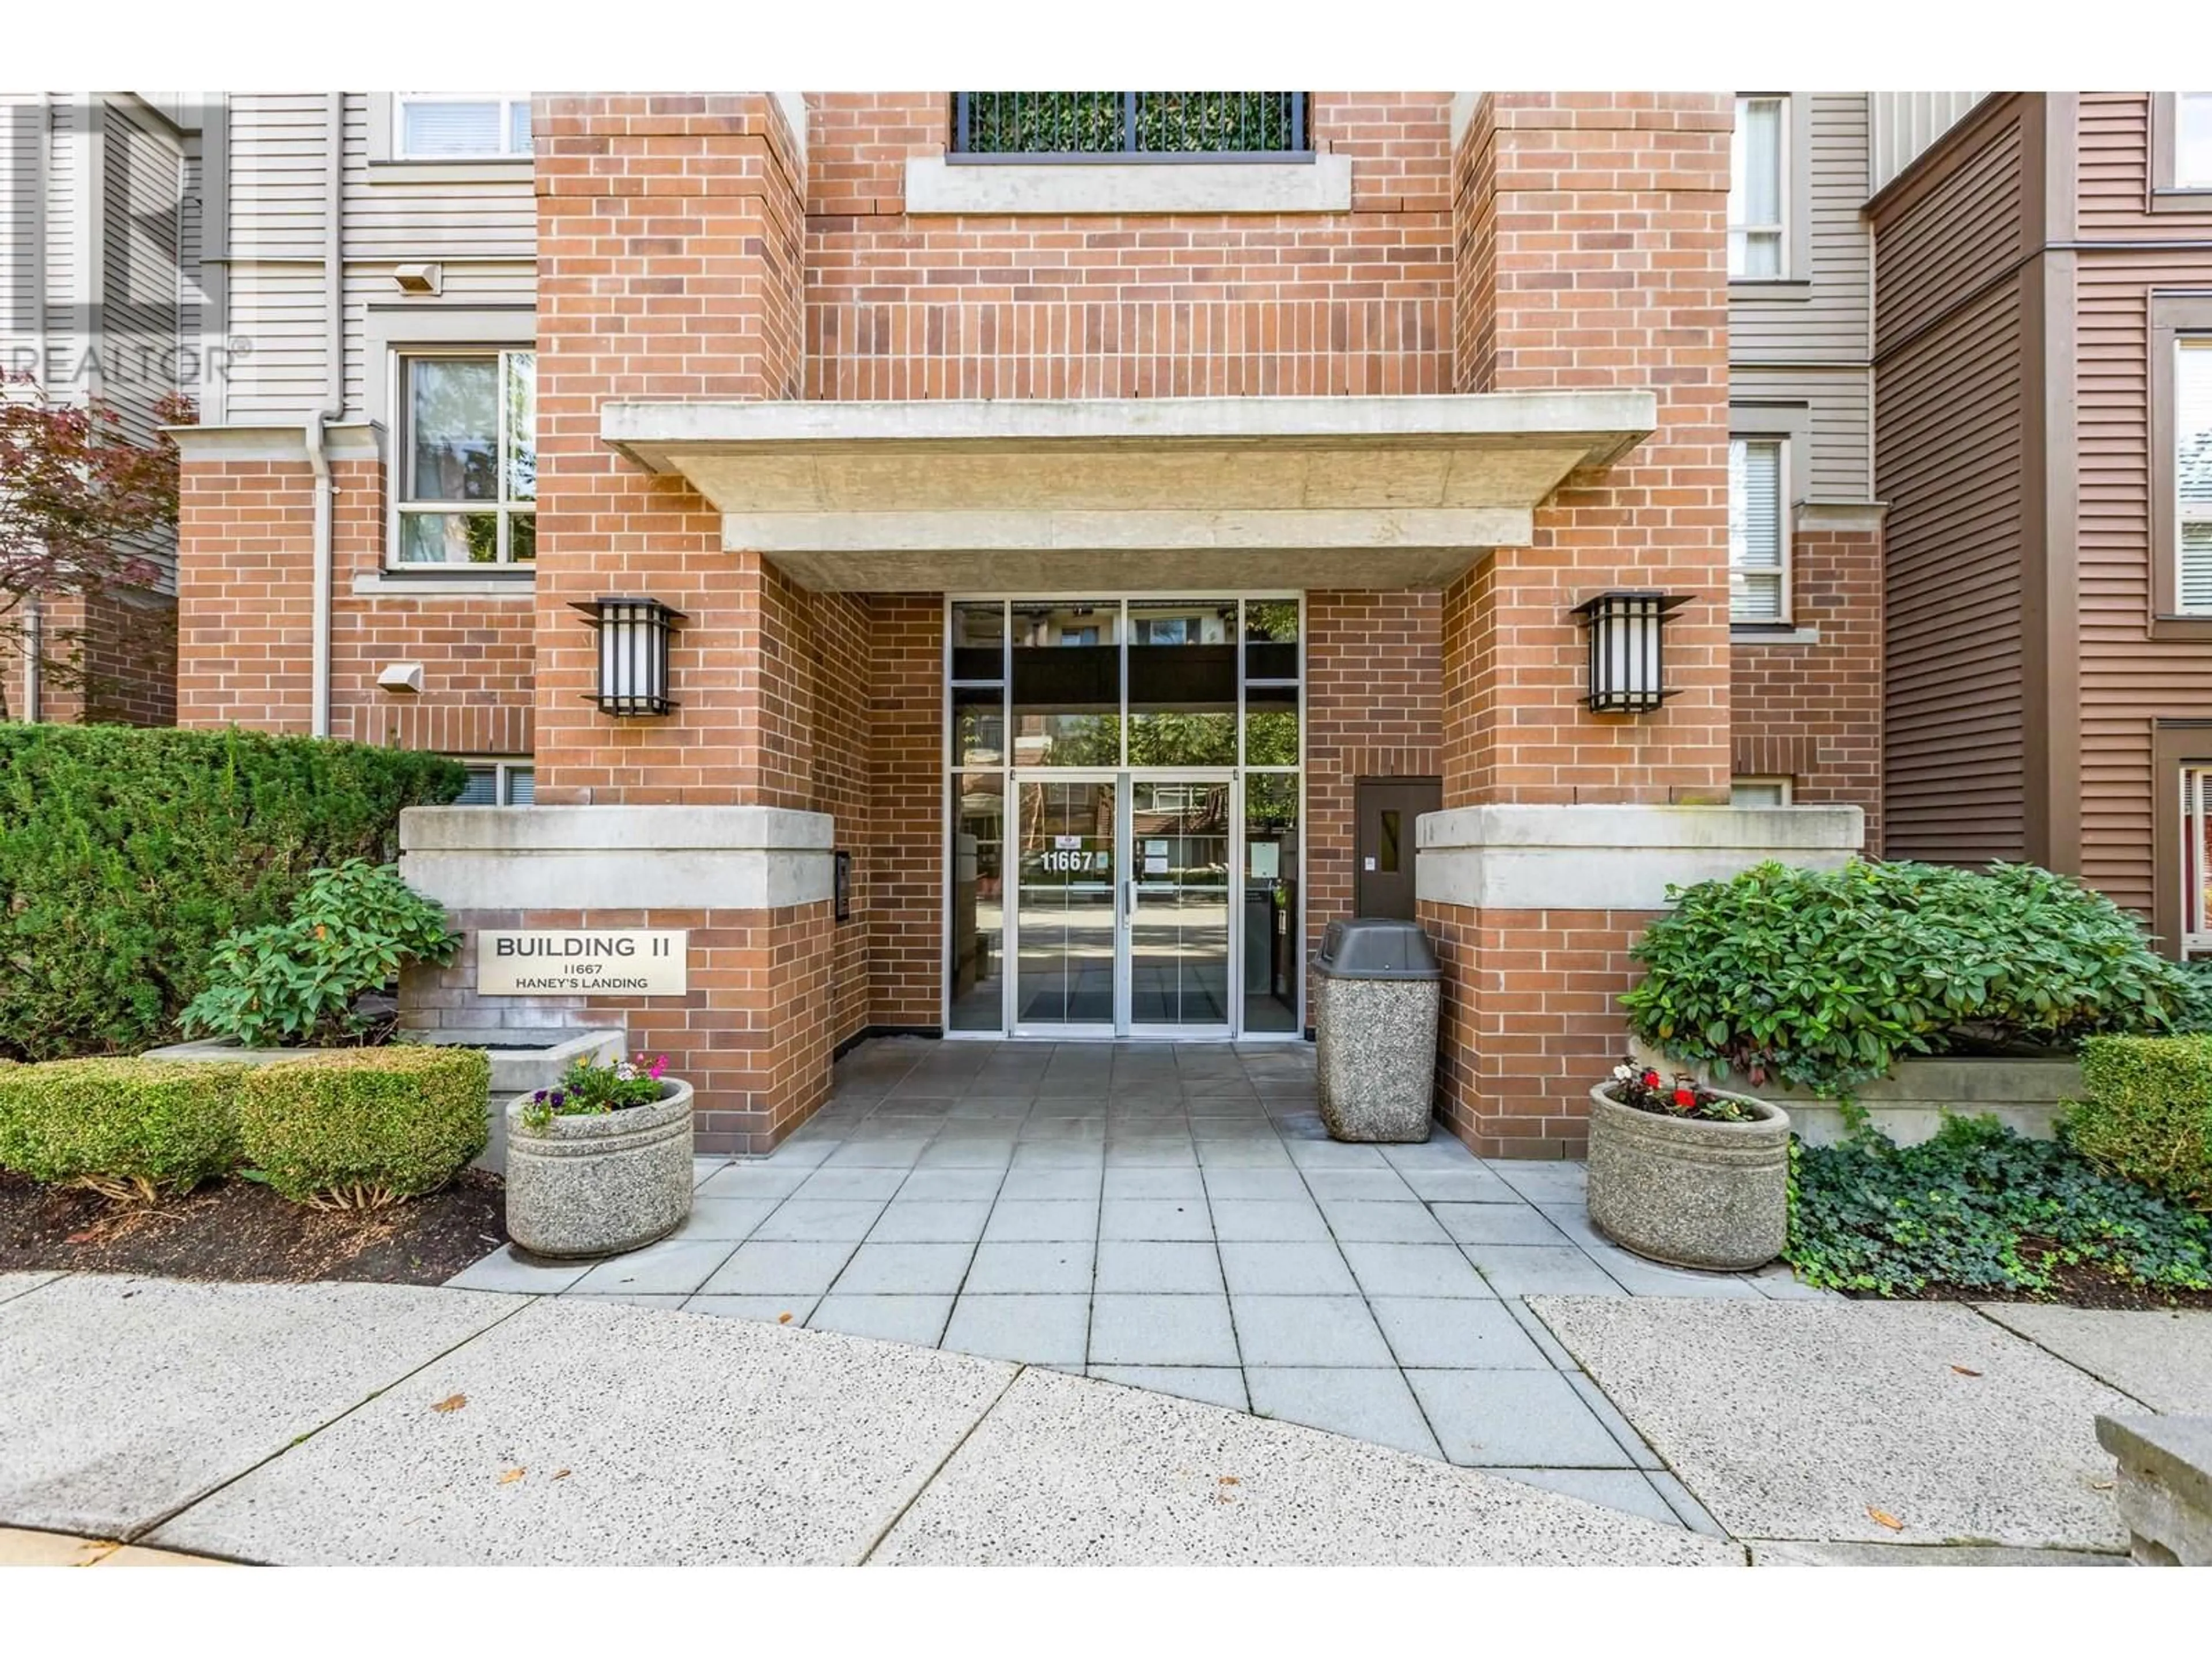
(2192, 471)
(451, 128)
(1755, 569)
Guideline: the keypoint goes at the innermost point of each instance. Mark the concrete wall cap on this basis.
(612, 829)
(1779, 831)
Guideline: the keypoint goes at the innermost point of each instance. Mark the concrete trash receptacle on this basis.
(1377, 983)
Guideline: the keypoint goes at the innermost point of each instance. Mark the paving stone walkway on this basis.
(1174, 1217)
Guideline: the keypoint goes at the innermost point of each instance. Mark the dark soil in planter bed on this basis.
(2074, 1287)
(240, 1230)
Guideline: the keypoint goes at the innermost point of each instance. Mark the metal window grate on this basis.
(1070, 126)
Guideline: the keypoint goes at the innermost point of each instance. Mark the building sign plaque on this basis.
(635, 962)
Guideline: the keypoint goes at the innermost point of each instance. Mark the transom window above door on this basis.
(1111, 682)
(466, 488)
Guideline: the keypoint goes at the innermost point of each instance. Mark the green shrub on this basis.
(1980, 1207)
(2149, 1115)
(126, 854)
(130, 1129)
(361, 1128)
(1825, 978)
(296, 982)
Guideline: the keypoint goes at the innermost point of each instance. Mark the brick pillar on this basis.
(671, 237)
(1591, 243)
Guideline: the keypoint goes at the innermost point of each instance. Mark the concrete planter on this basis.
(598, 1186)
(1689, 1193)
(2024, 1093)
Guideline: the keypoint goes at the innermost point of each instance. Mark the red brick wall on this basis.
(245, 617)
(1531, 1020)
(1128, 306)
(1591, 243)
(669, 235)
(1374, 698)
(1607, 232)
(904, 878)
(245, 594)
(749, 1035)
(110, 659)
(1813, 712)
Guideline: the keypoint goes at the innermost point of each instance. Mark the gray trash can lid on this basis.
(1375, 947)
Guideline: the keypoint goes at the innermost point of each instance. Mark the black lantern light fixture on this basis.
(1626, 675)
(632, 652)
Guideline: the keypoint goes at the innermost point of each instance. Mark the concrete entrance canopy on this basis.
(1171, 493)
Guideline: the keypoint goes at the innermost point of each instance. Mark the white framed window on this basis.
(461, 126)
(2197, 860)
(1759, 532)
(2192, 474)
(1758, 169)
(1760, 792)
(498, 783)
(466, 488)
(2192, 140)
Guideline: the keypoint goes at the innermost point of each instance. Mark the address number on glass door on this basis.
(1070, 861)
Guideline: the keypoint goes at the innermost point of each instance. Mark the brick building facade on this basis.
(1300, 462)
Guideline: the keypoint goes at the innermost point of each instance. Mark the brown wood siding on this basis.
(1938, 242)
(1949, 459)
(1952, 378)
(2129, 679)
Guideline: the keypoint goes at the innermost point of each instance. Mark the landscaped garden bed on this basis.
(1981, 1213)
(242, 1230)
(1823, 984)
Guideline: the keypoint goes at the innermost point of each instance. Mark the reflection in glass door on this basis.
(1179, 861)
(1065, 913)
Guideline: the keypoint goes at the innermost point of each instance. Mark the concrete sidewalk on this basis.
(367, 1424)
(359, 1424)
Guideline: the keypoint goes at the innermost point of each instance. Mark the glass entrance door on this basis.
(1121, 916)
(1067, 908)
(1177, 938)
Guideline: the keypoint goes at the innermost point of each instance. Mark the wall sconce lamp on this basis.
(632, 652)
(1625, 671)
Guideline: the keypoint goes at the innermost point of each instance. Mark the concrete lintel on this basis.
(1604, 423)
(1060, 570)
(938, 183)
(1167, 530)
(1517, 857)
(287, 440)
(1860, 516)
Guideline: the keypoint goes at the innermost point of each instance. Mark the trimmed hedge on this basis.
(131, 1128)
(2149, 1115)
(358, 1128)
(126, 854)
(1825, 978)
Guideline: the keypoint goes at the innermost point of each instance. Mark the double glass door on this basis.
(1120, 924)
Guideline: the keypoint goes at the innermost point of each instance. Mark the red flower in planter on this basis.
(1686, 1095)
(1650, 1077)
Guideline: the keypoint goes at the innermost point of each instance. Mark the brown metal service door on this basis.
(1382, 877)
